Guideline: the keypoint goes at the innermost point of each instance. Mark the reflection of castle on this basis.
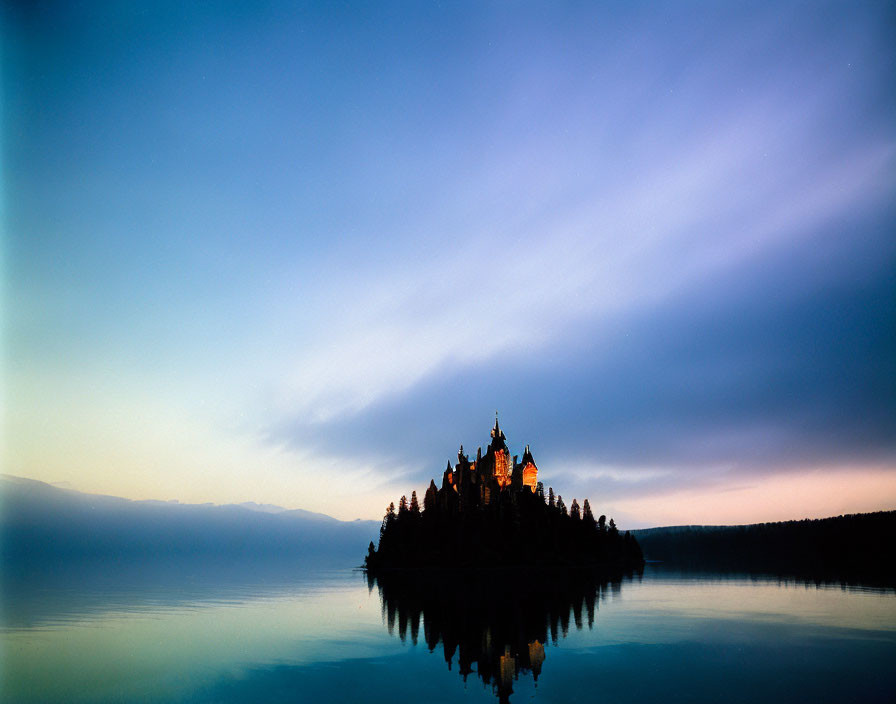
(480, 482)
(498, 641)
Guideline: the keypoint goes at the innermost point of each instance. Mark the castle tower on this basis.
(502, 462)
(529, 470)
(448, 477)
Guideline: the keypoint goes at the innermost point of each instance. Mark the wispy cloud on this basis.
(658, 239)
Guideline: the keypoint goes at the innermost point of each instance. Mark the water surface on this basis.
(194, 633)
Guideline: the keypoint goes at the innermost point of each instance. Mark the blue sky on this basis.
(299, 255)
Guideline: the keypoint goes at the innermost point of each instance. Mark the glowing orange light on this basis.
(502, 471)
(530, 474)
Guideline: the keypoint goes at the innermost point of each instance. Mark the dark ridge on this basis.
(851, 549)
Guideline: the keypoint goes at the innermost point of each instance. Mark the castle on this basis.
(480, 483)
(493, 512)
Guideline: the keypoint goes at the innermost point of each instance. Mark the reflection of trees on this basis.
(498, 620)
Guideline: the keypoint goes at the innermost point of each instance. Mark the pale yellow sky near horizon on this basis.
(167, 456)
(139, 445)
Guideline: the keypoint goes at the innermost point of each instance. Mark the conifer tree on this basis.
(415, 507)
(403, 506)
(574, 510)
(613, 528)
(388, 518)
(561, 505)
(602, 523)
(431, 497)
(551, 496)
(587, 516)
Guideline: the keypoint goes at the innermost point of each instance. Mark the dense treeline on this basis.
(851, 547)
(514, 529)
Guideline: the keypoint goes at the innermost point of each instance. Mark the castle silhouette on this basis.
(471, 484)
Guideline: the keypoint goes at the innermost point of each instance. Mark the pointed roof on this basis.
(527, 456)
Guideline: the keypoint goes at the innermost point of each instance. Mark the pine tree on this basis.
(388, 518)
(613, 529)
(602, 523)
(403, 506)
(431, 497)
(587, 516)
(561, 505)
(415, 507)
(574, 510)
(551, 497)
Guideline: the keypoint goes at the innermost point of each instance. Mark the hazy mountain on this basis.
(40, 523)
(264, 508)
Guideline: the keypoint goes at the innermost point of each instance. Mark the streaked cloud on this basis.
(331, 242)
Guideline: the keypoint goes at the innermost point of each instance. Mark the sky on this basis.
(299, 253)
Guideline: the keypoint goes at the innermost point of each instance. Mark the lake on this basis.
(191, 633)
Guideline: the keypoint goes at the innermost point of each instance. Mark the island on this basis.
(493, 512)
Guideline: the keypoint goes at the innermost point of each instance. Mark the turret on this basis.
(447, 477)
(527, 456)
(529, 470)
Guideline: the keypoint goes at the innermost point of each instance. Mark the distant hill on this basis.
(43, 524)
(852, 547)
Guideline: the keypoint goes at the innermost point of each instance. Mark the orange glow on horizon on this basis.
(782, 497)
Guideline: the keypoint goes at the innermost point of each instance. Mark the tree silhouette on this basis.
(587, 515)
(388, 518)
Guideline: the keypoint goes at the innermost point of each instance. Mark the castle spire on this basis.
(496, 431)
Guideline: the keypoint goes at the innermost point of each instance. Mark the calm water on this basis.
(265, 634)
